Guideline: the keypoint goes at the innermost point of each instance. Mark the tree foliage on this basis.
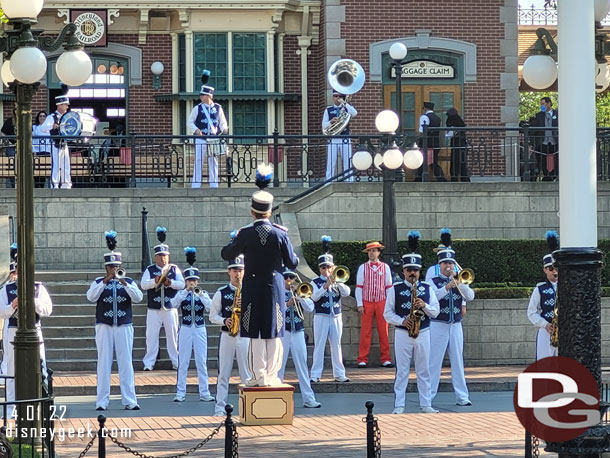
(529, 105)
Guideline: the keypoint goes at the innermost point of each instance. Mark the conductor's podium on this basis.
(266, 405)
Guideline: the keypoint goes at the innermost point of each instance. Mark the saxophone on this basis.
(236, 313)
(416, 315)
(555, 323)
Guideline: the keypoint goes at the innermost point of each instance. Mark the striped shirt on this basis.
(372, 281)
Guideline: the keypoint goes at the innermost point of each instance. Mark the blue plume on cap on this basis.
(205, 76)
(161, 234)
(13, 251)
(264, 174)
(446, 236)
(233, 234)
(190, 252)
(326, 243)
(413, 240)
(110, 239)
(552, 240)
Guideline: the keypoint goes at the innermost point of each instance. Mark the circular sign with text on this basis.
(89, 28)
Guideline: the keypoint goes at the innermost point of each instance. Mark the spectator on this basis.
(547, 139)
(8, 129)
(458, 167)
(40, 146)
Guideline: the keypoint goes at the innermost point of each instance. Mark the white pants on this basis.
(8, 363)
(336, 146)
(60, 167)
(405, 348)
(543, 345)
(154, 320)
(108, 340)
(227, 349)
(192, 338)
(265, 360)
(201, 149)
(294, 343)
(327, 327)
(443, 335)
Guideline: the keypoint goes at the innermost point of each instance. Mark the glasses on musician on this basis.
(552, 268)
(290, 277)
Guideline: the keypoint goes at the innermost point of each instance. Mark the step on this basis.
(75, 365)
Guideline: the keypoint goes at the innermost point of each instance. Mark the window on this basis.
(249, 117)
(211, 54)
(249, 62)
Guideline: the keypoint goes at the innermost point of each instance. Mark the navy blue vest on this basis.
(114, 304)
(433, 135)
(547, 300)
(192, 311)
(293, 320)
(323, 305)
(227, 295)
(451, 304)
(334, 112)
(11, 292)
(154, 297)
(202, 121)
(402, 301)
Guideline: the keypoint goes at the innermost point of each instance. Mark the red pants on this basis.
(373, 310)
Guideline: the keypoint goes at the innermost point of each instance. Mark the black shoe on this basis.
(100, 408)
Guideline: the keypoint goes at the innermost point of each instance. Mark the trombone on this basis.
(301, 291)
(340, 274)
(463, 276)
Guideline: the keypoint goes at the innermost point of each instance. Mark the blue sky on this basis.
(529, 3)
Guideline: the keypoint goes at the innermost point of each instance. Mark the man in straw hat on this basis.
(541, 308)
(373, 279)
(266, 249)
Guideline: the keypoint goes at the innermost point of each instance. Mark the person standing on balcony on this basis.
(114, 294)
(340, 143)
(457, 141)
(162, 281)
(207, 119)
(430, 119)
(547, 140)
(60, 153)
(541, 308)
(373, 280)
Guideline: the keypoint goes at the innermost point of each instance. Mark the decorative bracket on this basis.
(143, 28)
(64, 12)
(184, 16)
(49, 44)
(112, 14)
(540, 48)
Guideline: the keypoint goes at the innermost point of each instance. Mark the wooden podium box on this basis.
(266, 405)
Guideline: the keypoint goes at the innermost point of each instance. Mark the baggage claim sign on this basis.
(425, 69)
(91, 26)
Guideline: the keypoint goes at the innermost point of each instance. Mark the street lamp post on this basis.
(26, 67)
(386, 123)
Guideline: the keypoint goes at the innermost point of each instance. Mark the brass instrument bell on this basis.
(303, 290)
(341, 274)
(120, 273)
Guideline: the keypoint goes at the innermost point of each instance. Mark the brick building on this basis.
(269, 61)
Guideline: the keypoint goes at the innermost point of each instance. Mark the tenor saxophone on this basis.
(236, 313)
(416, 315)
(555, 323)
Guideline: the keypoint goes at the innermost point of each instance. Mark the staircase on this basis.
(69, 333)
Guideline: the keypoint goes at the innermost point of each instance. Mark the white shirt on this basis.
(42, 303)
(179, 297)
(96, 289)
(533, 309)
(216, 307)
(149, 283)
(466, 291)
(423, 120)
(317, 294)
(389, 313)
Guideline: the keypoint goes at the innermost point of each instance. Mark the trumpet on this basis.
(197, 290)
(340, 274)
(120, 273)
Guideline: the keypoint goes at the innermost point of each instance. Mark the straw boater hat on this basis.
(371, 245)
(552, 240)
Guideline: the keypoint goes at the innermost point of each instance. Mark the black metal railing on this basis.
(486, 153)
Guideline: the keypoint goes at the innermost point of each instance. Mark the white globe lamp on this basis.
(386, 122)
(602, 78)
(378, 161)
(22, 9)
(398, 51)
(74, 67)
(28, 64)
(601, 8)
(157, 68)
(539, 71)
(362, 160)
(392, 158)
(413, 158)
(5, 73)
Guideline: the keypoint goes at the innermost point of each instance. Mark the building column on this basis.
(303, 51)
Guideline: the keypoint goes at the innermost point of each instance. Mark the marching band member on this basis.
(160, 310)
(398, 311)
(266, 248)
(294, 338)
(192, 337)
(114, 295)
(340, 143)
(446, 329)
(327, 320)
(9, 303)
(541, 308)
(60, 153)
(221, 313)
(373, 279)
(207, 118)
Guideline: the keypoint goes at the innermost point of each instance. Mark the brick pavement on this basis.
(497, 434)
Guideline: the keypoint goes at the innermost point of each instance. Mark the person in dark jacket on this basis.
(266, 249)
(547, 140)
(458, 168)
(433, 142)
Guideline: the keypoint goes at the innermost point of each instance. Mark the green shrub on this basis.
(496, 263)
